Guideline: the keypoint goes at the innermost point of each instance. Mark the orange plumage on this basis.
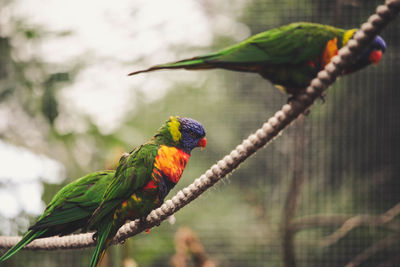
(171, 162)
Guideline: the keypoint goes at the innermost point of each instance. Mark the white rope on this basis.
(271, 129)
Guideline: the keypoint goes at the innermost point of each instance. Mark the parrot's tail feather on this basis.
(196, 63)
(99, 256)
(26, 239)
(204, 63)
(104, 239)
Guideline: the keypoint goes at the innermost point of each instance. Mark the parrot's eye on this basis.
(192, 134)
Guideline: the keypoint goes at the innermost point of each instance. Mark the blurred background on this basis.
(325, 193)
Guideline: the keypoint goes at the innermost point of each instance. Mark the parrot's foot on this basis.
(94, 236)
(142, 221)
(294, 96)
(308, 110)
(290, 99)
(322, 97)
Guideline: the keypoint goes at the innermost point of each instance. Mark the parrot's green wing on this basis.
(76, 201)
(132, 173)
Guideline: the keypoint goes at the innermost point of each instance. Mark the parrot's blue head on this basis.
(183, 133)
(371, 55)
(192, 134)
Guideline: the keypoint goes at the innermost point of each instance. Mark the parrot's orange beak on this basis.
(375, 57)
(202, 143)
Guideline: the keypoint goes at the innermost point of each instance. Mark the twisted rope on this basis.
(271, 129)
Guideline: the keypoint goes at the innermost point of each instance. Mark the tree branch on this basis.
(376, 247)
(348, 223)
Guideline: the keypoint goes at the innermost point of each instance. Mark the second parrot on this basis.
(289, 56)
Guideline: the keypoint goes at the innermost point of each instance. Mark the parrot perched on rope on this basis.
(69, 211)
(144, 178)
(289, 56)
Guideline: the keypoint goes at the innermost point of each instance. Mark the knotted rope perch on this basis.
(271, 129)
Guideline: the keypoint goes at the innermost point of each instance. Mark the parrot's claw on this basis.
(322, 97)
(290, 99)
(142, 221)
(306, 112)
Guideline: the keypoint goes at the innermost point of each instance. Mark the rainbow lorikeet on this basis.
(144, 178)
(69, 211)
(289, 56)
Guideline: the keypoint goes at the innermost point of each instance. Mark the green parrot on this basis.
(289, 56)
(69, 211)
(144, 178)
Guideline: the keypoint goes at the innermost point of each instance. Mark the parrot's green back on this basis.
(289, 44)
(69, 210)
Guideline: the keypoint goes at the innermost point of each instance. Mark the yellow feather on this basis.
(281, 88)
(347, 36)
(136, 198)
(173, 126)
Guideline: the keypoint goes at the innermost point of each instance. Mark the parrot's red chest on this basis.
(169, 162)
